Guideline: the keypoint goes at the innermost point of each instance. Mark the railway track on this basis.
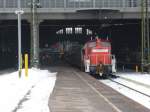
(136, 82)
(131, 88)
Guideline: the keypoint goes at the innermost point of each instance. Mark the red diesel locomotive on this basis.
(97, 57)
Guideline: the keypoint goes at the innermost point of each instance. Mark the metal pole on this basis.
(145, 46)
(19, 44)
(142, 34)
(19, 12)
(31, 30)
(147, 33)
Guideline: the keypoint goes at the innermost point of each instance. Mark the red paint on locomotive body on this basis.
(98, 51)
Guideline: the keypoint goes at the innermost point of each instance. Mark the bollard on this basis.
(26, 65)
(137, 68)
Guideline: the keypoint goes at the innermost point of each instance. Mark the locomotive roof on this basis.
(103, 43)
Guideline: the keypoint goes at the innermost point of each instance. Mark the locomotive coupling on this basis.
(100, 69)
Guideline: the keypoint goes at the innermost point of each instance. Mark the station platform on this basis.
(76, 91)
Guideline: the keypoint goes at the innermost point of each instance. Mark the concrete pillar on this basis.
(34, 50)
(36, 45)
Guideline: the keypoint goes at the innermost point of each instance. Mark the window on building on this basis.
(88, 32)
(78, 30)
(133, 3)
(69, 31)
(60, 3)
(45, 3)
(11, 3)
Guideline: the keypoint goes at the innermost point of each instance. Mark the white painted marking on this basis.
(99, 50)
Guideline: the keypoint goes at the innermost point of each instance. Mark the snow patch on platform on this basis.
(26, 94)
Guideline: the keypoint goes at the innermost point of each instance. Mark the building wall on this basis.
(72, 9)
(73, 3)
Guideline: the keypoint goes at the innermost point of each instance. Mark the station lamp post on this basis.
(19, 12)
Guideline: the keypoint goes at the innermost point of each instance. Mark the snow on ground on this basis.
(26, 94)
(142, 78)
(137, 81)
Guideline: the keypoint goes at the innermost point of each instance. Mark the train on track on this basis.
(94, 57)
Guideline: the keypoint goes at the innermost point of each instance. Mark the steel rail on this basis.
(129, 87)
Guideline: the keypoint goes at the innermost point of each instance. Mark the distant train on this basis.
(94, 57)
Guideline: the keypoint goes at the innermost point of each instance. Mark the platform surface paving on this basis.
(77, 92)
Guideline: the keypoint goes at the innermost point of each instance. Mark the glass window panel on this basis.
(60, 3)
(52, 3)
(133, 3)
(1, 3)
(11, 3)
(25, 3)
(70, 3)
(86, 3)
(99, 3)
(76, 3)
(45, 3)
(139, 2)
(108, 3)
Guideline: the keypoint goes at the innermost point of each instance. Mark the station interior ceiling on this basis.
(125, 36)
